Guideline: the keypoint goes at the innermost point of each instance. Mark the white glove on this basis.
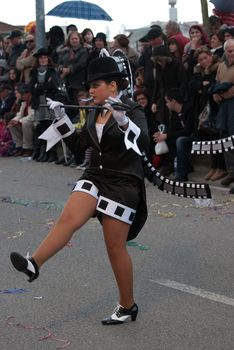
(55, 106)
(120, 116)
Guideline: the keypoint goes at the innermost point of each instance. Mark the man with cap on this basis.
(15, 48)
(112, 186)
(155, 37)
(22, 125)
(25, 61)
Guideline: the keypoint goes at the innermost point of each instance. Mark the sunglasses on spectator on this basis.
(29, 41)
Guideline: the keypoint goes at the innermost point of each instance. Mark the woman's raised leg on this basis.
(78, 209)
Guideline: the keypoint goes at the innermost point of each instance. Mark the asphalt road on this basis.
(183, 267)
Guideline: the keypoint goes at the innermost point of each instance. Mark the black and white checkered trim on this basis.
(177, 188)
(116, 210)
(86, 186)
(213, 147)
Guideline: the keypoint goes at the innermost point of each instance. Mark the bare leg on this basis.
(115, 234)
(78, 209)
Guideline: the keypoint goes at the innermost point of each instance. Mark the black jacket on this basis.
(110, 156)
(49, 88)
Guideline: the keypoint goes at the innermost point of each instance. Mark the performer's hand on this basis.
(120, 116)
(56, 107)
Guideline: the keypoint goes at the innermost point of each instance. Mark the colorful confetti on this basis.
(49, 335)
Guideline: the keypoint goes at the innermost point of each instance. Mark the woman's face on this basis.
(43, 60)
(195, 33)
(215, 42)
(74, 40)
(173, 48)
(12, 74)
(142, 100)
(99, 43)
(88, 37)
(100, 90)
(205, 60)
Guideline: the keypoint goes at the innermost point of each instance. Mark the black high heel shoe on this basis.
(121, 315)
(26, 265)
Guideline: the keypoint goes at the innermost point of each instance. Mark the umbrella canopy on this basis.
(224, 5)
(79, 9)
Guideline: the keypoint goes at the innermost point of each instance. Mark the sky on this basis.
(125, 13)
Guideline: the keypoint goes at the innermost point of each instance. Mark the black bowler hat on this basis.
(154, 33)
(102, 68)
(41, 52)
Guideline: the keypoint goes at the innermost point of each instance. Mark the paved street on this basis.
(183, 266)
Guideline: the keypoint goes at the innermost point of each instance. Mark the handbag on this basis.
(206, 122)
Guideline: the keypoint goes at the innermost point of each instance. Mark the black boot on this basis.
(52, 155)
(42, 152)
(121, 315)
(26, 265)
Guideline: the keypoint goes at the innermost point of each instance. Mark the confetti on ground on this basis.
(37, 298)
(69, 244)
(139, 246)
(33, 204)
(49, 335)
(16, 235)
(14, 291)
(166, 214)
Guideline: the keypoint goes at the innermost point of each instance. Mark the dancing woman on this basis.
(112, 187)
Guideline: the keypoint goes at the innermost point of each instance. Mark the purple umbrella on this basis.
(79, 9)
(226, 6)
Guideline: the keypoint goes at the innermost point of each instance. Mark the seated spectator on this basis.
(4, 71)
(6, 142)
(142, 98)
(139, 79)
(25, 61)
(14, 77)
(7, 98)
(22, 125)
(180, 124)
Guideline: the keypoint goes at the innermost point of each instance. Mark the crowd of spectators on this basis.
(173, 80)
